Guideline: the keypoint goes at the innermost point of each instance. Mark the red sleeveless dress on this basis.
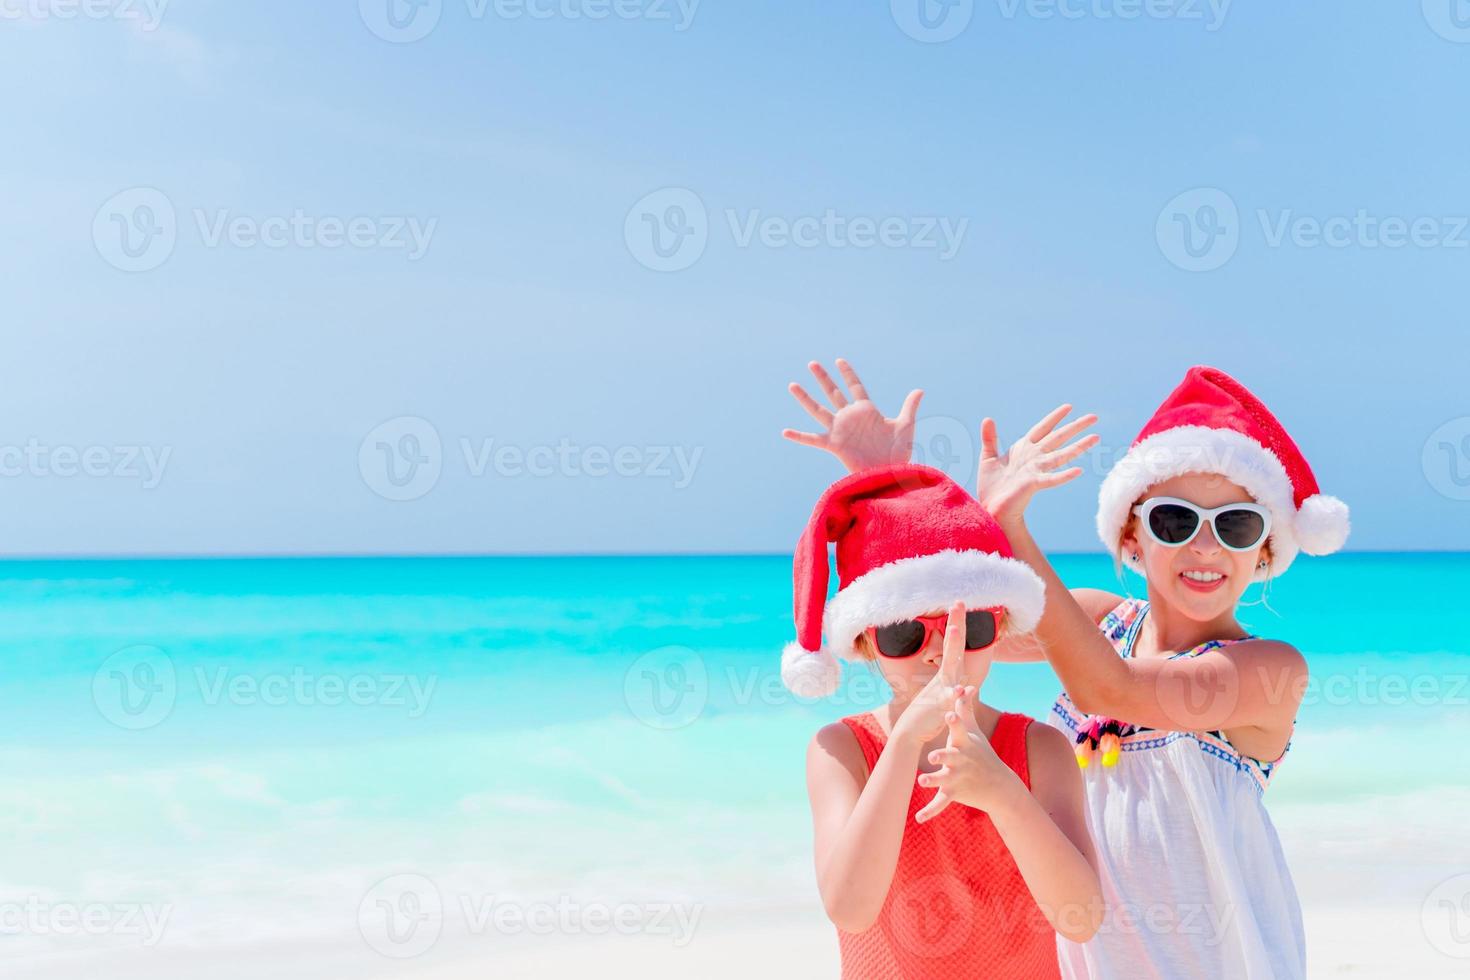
(957, 906)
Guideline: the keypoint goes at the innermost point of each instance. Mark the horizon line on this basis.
(410, 555)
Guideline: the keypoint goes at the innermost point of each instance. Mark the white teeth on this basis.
(1203, 576)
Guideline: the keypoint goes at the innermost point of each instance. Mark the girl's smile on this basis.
(1203, 579)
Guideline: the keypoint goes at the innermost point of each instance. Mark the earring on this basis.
(1263, 564)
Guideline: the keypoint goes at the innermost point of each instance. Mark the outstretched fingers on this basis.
(1048, 480)
(1048, 422)
(854, 383)
(834, 393)
(1066, 433)
(812, 406)
(989, 439)
(817, 439)
(1063, 456)
(910, 410)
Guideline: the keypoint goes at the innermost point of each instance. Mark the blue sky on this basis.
(237, 397)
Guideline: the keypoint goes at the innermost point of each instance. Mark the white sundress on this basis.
(1192, 870)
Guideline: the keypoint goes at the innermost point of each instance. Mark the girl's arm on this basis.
(1256, 684)
(858, 828)
(859, 825)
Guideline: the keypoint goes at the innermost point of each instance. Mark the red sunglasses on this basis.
(906, 638)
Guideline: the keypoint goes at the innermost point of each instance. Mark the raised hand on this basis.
(855, 431)
(1008, 481)
(923, 717)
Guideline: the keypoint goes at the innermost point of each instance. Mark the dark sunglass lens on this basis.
(900, 639)
(1240, 528)
(1172, 524)
(979, 629)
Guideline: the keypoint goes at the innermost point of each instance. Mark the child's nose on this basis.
(1205, 543)
(934, 650)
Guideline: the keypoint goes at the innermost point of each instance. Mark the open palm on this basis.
(1007, 481)
(855, 430)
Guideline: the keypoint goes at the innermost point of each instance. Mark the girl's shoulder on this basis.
(848, 741)
(838, 745)
(1049, 751)
(1054, 776)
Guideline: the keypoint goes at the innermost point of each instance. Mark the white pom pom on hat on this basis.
(809, 674)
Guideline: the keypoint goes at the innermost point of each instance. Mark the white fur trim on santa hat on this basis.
(1238, 458)
(925, 584)
(809, 674)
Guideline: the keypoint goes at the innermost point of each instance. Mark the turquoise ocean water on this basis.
(256, 742)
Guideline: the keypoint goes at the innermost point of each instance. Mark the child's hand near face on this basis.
(923, 718)
(972, 773)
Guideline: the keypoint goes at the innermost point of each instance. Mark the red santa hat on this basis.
(910, 541)
(1212, 424)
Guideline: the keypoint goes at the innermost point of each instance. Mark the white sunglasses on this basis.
(1174, 523)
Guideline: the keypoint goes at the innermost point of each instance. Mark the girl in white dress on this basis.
(1180, 715)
